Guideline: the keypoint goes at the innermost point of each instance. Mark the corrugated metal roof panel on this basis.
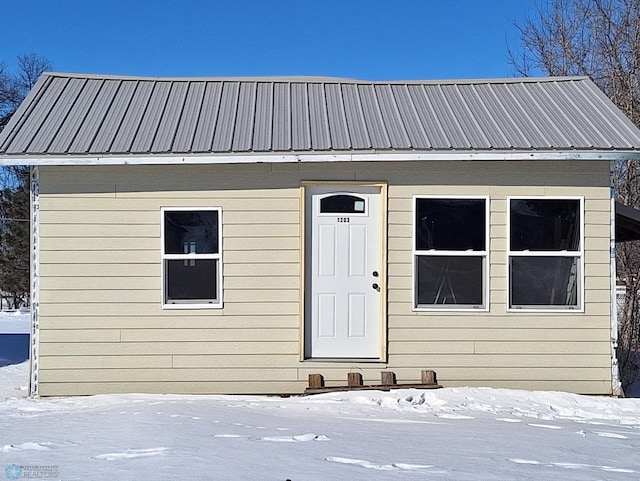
(297, 116)
(170, 118)
(132, 119)
(519, 114)
(226, 123)
(544, 102)
(318, 118)
(206, 125)
(112, 121)
(243, 133)
(373, 117)
(94, 116)
(391, 117)
(447, 118)
(502, 123)
(263, 126)
(418, 138)
(75, 116)
(338, 130)
(436, 136)
(186, 127)
(35, 136)
(607, 123)
(153, 116)
(537, 109)
(463, 115)
(110, 115)
(484, 122)
(285, 95)
(62, 113)
(355, 118)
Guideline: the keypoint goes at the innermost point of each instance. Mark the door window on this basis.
(343, 204)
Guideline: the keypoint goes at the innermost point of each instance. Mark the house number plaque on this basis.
(343, 219)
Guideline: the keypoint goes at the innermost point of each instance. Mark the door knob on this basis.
(376, 286)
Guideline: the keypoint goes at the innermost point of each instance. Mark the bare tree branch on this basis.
(31, 67)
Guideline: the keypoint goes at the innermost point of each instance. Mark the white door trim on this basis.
(309, 190)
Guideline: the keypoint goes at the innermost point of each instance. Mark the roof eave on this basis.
(295, 157)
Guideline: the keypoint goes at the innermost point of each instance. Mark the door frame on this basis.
(304, 337)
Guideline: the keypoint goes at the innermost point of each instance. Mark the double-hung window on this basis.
(545, 251)
(191, 257)
(450, 252)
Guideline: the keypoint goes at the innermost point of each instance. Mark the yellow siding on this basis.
(103, 329)
(117, 348)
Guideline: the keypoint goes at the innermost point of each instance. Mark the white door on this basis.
(343, 273)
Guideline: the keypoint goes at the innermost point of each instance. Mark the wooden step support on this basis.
(354, 379)
(388, 378)
(387, 382)
(316, 381)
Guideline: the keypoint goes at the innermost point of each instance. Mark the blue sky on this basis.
(364, 39)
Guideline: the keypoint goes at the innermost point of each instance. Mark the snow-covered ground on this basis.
(15, 322)
(444, 434)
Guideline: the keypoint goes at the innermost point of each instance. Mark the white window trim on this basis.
(215, 305)
(433, 252)
(579, 253)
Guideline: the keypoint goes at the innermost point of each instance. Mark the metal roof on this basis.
(71, 115)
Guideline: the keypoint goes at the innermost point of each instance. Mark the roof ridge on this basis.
(315, 79)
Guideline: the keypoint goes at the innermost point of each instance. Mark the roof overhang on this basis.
(627, 223)
(375, 156)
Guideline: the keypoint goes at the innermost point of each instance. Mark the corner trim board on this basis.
(34, 340)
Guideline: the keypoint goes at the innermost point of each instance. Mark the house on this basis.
(235, 235)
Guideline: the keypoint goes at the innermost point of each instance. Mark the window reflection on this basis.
(450, 224)
(545, 224)
(450, 280)
(187, 232)
(544, 281)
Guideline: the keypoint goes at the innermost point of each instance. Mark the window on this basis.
(342, 204)
(191, 260)
(450, 253)
(545, 253)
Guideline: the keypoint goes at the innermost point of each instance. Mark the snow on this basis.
(15, 322)
(408, 434)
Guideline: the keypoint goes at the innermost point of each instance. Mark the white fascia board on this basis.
(321, 157)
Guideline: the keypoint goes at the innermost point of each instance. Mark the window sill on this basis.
(451, 309)
(547, 310)
(350, 360)
(192, 306)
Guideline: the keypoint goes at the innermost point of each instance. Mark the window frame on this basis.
(450, 253)
(579, 254)
(218, 304)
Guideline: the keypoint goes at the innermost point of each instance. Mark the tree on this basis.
(15, 87)
(14, 239)
(8, 95)
(14, 186)
(599, 39)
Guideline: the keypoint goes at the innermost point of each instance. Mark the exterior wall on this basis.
(103, 329)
